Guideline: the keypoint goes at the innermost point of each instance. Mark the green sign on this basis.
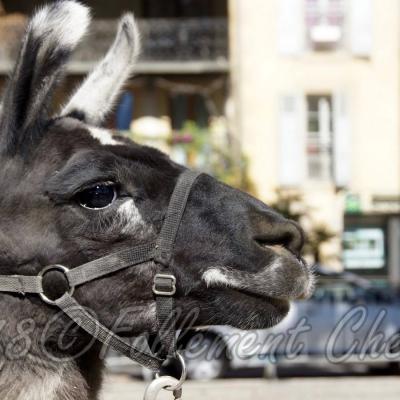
(353, 203)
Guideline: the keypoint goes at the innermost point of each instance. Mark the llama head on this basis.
(73, 192)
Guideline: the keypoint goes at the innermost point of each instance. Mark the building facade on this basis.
(317, 100)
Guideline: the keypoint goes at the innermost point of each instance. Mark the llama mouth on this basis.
(285, 279)
(278, 302)
(251, 310)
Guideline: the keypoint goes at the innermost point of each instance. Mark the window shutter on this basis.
(360, 21)
(292, 146)
(341, 141)
(291, 34)
(179, 110)
(202, 115)
(124, 112)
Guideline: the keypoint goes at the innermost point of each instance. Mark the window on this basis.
(319, 137)
(324, 23)
(188, 107)
(364, 248)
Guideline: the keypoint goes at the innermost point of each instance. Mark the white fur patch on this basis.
(103, 136)
(96, 95)
(37, 383)
(63, 23)
(42, 388)
(276, 265)
(214, 276)
(131, 219)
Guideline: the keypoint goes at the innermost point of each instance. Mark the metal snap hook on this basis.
(162, 383)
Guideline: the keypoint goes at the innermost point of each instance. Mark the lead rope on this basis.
(164, 288)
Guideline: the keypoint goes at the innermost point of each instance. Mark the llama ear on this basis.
(52, 33)
(95, 97)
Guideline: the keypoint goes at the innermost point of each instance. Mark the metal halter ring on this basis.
(182, 379)
(56, 267)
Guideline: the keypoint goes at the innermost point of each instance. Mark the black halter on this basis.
(164, 285)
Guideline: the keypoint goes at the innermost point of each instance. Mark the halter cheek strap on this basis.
(164, 284)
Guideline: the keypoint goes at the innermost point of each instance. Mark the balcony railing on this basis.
(169, 45)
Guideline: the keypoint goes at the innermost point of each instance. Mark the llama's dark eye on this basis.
(97, 197)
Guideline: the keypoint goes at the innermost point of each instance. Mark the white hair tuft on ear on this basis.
(95, 97)
(64, 22)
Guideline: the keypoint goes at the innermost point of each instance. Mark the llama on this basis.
(73, 192)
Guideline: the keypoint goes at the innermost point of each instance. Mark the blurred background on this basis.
(297, 102)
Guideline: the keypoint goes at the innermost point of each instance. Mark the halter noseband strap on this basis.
(160, 252)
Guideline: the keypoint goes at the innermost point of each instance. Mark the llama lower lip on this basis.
(260, 306)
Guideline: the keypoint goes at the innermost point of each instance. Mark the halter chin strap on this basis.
(164, 285)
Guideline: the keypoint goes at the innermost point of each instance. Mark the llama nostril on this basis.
(284, 233)
(296, 238)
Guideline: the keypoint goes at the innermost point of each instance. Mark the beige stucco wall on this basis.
(260, 75)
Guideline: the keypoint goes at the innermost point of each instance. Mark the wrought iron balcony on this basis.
(185, 45)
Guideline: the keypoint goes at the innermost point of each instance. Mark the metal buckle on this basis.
(56, 267)
(159, 285)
